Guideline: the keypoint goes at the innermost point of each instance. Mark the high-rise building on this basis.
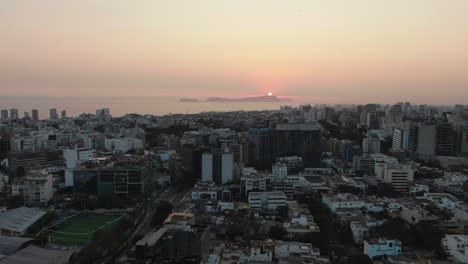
(4, 115)
(35, 115)
(120, 177)
(63, 114)
(261, 138)
(402, 138)
(398, 175)
(217, 166)
(445, 140)
(371, 145)
(14, 114)
(207, 167)
(427, 141)
(301, 140)
(72, 157)
(412, 138)
(106, 112)
(35, 160)
(103, 113)
(53, 115)
(191, 159)
(26, 115)
(462, 141)
(35, 188)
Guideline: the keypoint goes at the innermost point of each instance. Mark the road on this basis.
(175, 198)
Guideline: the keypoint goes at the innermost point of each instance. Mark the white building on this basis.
(418, 188)
(218, 167)
(362, 229)
(443, 201)
(261, 251)
(123, 145)
(266, 200)
(378, 248)
(205, 191)
(279, 171)
(292, 248)
(256, 182)
(207, 167)
(367, 164)
(294, 164)
(457, 246)
(72, 157)
(227, 167)
(398, 175)
(401, 139)
(371, 145)
(35, 188)
(342, 201)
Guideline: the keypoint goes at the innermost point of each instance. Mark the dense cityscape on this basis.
(309, 184)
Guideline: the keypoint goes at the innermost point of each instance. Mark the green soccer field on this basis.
(79, 230)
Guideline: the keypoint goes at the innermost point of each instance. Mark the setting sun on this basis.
(270, 94)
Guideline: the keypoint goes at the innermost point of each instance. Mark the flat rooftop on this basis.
(20, 219)
(152, 238)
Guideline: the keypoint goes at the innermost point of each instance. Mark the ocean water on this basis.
(123, 105)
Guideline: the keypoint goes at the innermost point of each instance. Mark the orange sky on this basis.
(391, 50)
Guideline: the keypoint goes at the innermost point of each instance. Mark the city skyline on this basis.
(331, 52)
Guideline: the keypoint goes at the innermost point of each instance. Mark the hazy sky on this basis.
(389, 50)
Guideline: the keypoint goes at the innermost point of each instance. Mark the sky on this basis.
(358, 50)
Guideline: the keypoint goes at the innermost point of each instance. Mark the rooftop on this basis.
(382, 241)
(20, 219)
(9, 245)
(128, 161)
(267, 195)
(37, 255)
(152, 238)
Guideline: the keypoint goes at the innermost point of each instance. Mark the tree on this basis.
(395, 228)
(163, 210)
(426, 236)
(283, 212)
(441, 252)
(359, 259)
(277, 232)
(15, 201)
(64, 190)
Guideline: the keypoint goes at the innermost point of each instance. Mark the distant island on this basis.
(189, 100)
(256, 99)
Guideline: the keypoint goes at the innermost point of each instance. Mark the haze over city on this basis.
(233, 131)
(311, 51)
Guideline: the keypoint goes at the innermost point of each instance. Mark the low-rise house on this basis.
(267, 200)
(443, 201)
(457, 247)
(378, 248)
(414, 214)
(261, 251)
(35, 188)
(343, 201)
(292, 248)
(418, 188)
(16, 222)
(363, 229)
